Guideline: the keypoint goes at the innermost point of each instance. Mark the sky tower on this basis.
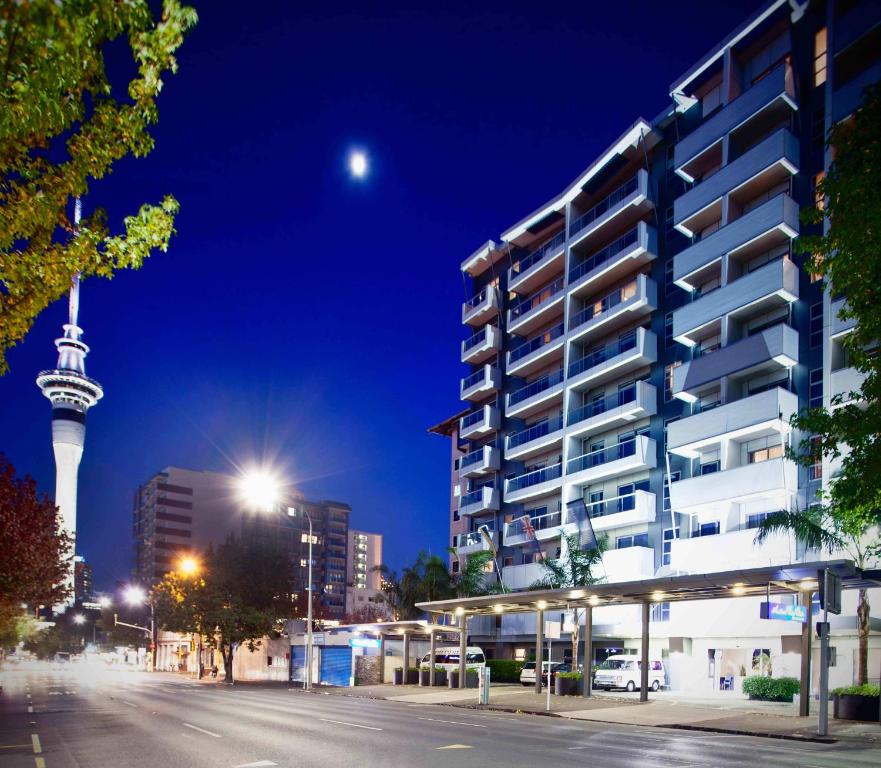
(71, 393)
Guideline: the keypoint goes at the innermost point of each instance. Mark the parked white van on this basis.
(448, 658)
(624, 672)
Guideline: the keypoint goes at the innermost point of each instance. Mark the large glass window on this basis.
(820, 45)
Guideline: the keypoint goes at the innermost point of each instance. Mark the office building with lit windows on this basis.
(641, 340)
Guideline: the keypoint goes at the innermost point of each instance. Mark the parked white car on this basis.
(448, 658)
(624, 672)
(527, 674)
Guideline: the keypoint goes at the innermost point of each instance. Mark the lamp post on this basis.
(136, 595)
(189, 567)
(292, 512)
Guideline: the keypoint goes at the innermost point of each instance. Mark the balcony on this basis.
(711, 496)
(616, 309)
(482, 308)
(533, 484)
(769, 98)
(769, 350)
(760, 291)
(480, 422)
(838, 327)
(614, 262)
(536, 352)
(619, 209)
(468, 543)
(518, 577)
(547, 527)
(758, 231)
(538, 309)
(629, 456)
(731, 551)
(636, 508)
(484, 381)
(536, 395)
(485, 459)
(761, 167)
(843, 382)
(538, 267)
(630, 353)
(637, 401)
(482, 345)
(629, 564)
(759, 415)
(482, 500)
(535, 439)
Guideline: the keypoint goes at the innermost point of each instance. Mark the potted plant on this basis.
(399, 676)
(453, 678)
(440, 676)
(471, 677)
(568, 683)
(424, 676)
(413, 676)
(856, 702)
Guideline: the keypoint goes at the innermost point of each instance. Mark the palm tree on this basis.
(574, 568)
(426, 579)
(833, 528)
(471, 578)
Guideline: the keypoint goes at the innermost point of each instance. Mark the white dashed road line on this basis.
(202, 730)
(452, 722)
(352, 725)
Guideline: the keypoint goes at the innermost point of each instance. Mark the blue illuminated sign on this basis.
(364, 642)
(784, 612)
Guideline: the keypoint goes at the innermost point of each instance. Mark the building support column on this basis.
(406, 655)
(804, 698)
(539, 644)
(587, 675)
(381, 657)
(463, 648)
(644, 655)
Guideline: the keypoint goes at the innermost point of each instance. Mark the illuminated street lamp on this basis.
(104, 601)
(189, 566)
(134, 594)
(79, 619)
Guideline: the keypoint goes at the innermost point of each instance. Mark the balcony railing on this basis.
(613, 506)
(478, 298)
(602, 354)
(473, 418)
(477, 338)
(519, 267)
(472, 539)
(537, 342)
(606, 254)
(534, 387)
(538, 298)
(596, 407)
(536, 477)
(542, 522)
(474, 379)
(608, 302)
(472, 497)
(536, 431)
(627, 188)
(602, 456)
(471, 458)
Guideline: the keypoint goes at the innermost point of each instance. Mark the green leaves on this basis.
(62, 127)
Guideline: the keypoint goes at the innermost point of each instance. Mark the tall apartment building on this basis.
(641, 340)
(82, 579)
(363, 581)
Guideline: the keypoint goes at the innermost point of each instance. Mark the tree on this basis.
(574, 568)
(367, 614)
(471, 578)
(426, 579)
(835, 528)
(62, 125)
(243, 593)
(34, 549)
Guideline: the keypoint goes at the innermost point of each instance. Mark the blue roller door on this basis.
(336, 665)
(298, 663)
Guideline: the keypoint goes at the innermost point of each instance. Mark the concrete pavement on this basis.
(86, 719)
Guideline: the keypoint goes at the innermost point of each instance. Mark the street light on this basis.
(188, 566)
(79, 619)
(104, 601)
(134, 594)
(292, 512)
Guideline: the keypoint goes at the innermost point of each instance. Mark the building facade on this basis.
(459, 526)
(641, 340)
(363, 580)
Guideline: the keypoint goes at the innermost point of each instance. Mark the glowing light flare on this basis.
(188, 566)
(104, 601)
(357, 164)
(78, 618)
(260, 490)
(134, 595)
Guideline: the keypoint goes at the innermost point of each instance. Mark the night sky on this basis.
(306, 320)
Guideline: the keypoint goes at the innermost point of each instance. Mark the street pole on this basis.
(309, 612)
(823, 725)
(152, 639)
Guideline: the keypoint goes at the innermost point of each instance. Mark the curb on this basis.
(760, 734)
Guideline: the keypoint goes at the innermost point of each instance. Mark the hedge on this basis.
(570, 675)
(771, 688)
(505, 670)
(871, 691)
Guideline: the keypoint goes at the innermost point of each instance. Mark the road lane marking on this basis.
(30, 709)
(258, 764)
(353, 725)
(40, 762)
(202, 730)
(13, 746)
(452, 722)
(128, 703)
(35, 743)
(455, 746)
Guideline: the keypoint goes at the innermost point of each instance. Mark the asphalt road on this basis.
(82, 719)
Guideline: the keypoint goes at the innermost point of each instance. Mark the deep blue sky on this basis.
(308, 320)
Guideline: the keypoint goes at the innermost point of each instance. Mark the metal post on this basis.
(463, 648)
(432, 649)
(587, 676)
(152, 638)
(823, 724)
(406, 655)
(804, 699)
(644, 655)
(539, 642)
(309, 611)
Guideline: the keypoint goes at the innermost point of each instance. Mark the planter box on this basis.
(412, 677)
(471, 680)
(399, 677)
(850, 707)
(567, 686)
(440, 677)
(424, 677)
(453, 678)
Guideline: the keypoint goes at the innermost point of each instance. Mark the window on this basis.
(659, 612)
(507, 561)
(667, 550)
(820, 57)
(815, 326)
(815, 388)
(668, 379)
(304, 538)
(668, 330)
(455, 568)
(669, 285)
(709, 467)
(754, 521)
(815, 472)
(669, 229)
(711, 100)
(636, 540)
(819, 201)
(765, 454)
(674, 478)
(707, 529)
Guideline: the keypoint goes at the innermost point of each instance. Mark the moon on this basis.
(358, 164)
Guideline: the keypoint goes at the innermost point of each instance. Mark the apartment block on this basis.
(641, 339)
(363, 580)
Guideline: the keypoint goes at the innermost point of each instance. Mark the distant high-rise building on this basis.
(71, 393)
(459, 525)
(82, 579)
(363, 580)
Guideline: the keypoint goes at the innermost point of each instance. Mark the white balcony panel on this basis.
(468, 543)
(612, 461)
(632, 201)
(732, 551)
(535, 396)
(524, 444)
(843, 382)
(539, 314)
(769, 285)
(644, 301)
(482, 422)
(539, 267)
(775, 480)
(584, 421)
(484, 499)
(519, 577)
(637, 247)
(751, 417)
(550, 349)
(481, 383)
(482, 346)
(482, 308)
(637, 508)
(540, 482)
(839, 328)
(629, 564)
(644, 353)
(480, 462)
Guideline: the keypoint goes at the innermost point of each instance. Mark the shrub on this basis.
(771, 688)
(569, 675)
(505, 670)
(870, 691)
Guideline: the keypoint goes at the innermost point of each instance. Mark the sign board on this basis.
(552, 630)
(317, 638)
(783, 612)
(830, 591)
(364, 642)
